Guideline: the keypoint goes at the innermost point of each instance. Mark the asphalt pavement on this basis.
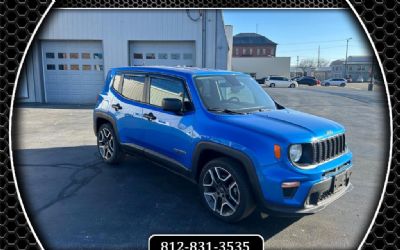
(75, 201)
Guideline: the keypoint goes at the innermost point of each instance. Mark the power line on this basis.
(322, 48)
(311, 42)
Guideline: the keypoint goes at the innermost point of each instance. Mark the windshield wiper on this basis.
(227, 111)
(259, 109)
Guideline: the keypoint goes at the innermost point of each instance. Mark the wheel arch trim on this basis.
(244, 159)
(107, 117)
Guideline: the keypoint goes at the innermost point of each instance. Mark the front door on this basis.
(168, 133)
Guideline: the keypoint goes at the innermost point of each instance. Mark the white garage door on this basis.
(73, 71)
(165, 53)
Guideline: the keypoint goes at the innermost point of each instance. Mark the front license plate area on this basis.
(340, 181)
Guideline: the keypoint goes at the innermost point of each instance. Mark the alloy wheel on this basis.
(221, 191)
(106, 143)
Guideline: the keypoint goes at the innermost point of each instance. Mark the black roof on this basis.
(251, 39)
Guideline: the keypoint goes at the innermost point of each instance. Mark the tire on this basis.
(272, 85)
(343, 85)
(327, 84)
(108, 145)
(225, 190)
(292, 85)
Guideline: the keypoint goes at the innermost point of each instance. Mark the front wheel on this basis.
(327, 84)
(343, 85)
(225, 190)
(272, 85)
(107, 145)
(292, 85)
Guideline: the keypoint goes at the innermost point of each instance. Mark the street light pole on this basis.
(345, 63)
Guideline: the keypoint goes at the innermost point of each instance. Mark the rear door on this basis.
(168, 133)
(127, 106)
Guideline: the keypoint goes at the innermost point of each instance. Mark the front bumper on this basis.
(319, 197)
(317, 189)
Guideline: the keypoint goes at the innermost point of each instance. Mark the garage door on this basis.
(73, 71)
(170, 53)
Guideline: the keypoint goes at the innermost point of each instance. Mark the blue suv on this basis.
(221, 130)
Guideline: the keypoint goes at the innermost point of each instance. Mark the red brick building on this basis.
(253, 45)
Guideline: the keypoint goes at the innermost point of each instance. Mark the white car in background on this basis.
(335, 82)
(279, 82)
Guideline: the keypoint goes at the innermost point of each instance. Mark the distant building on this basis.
(358, 68)
(322, 73)
(253, 45)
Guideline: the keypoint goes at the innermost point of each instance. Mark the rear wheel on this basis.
(108, 145)
(292, 85)
(225, 190)
(272, 85)
(342, 84)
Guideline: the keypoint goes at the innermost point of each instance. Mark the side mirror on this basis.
(172, 104)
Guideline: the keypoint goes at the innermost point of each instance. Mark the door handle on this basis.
(116, 106)
(149, 116)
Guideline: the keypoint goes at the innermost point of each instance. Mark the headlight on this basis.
(295, 152)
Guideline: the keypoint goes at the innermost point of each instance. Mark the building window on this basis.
(133, 86)
(98, 67)
(74, 67)
(244, 51)
(86, 67)
(85, 55)
(150, 56)
(187, 56)
(50, 55)
(264, 51)
(163, 56)
(97, 56)
(175, 56)
(62, 67)
(62, 55)
(251, 52)
(237, 51)
(258, 52)
(161, 88)
(137, 56)
(74, 55)
(51, 67)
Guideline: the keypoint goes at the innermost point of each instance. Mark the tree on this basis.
(323, 62)
(306, 64)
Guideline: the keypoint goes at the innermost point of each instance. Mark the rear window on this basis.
(275, 78)
(117, 83)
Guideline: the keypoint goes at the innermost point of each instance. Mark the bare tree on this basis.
(323, 62)
(306, 64)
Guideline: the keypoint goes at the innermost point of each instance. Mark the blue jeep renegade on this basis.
(225, 133)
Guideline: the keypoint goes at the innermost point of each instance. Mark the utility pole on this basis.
(345, 62)
(297, 65)
(256, 28)
(318, 56)
(371, 83)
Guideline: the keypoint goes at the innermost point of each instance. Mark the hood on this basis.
(290, 125)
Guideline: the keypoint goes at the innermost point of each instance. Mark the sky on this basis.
(300, 32)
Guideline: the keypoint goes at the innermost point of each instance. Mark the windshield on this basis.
(233, 92)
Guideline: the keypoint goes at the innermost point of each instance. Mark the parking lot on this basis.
(76, 201)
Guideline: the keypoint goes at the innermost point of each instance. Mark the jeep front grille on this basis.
(329, 148)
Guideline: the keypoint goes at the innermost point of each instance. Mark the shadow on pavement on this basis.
(74, 200)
